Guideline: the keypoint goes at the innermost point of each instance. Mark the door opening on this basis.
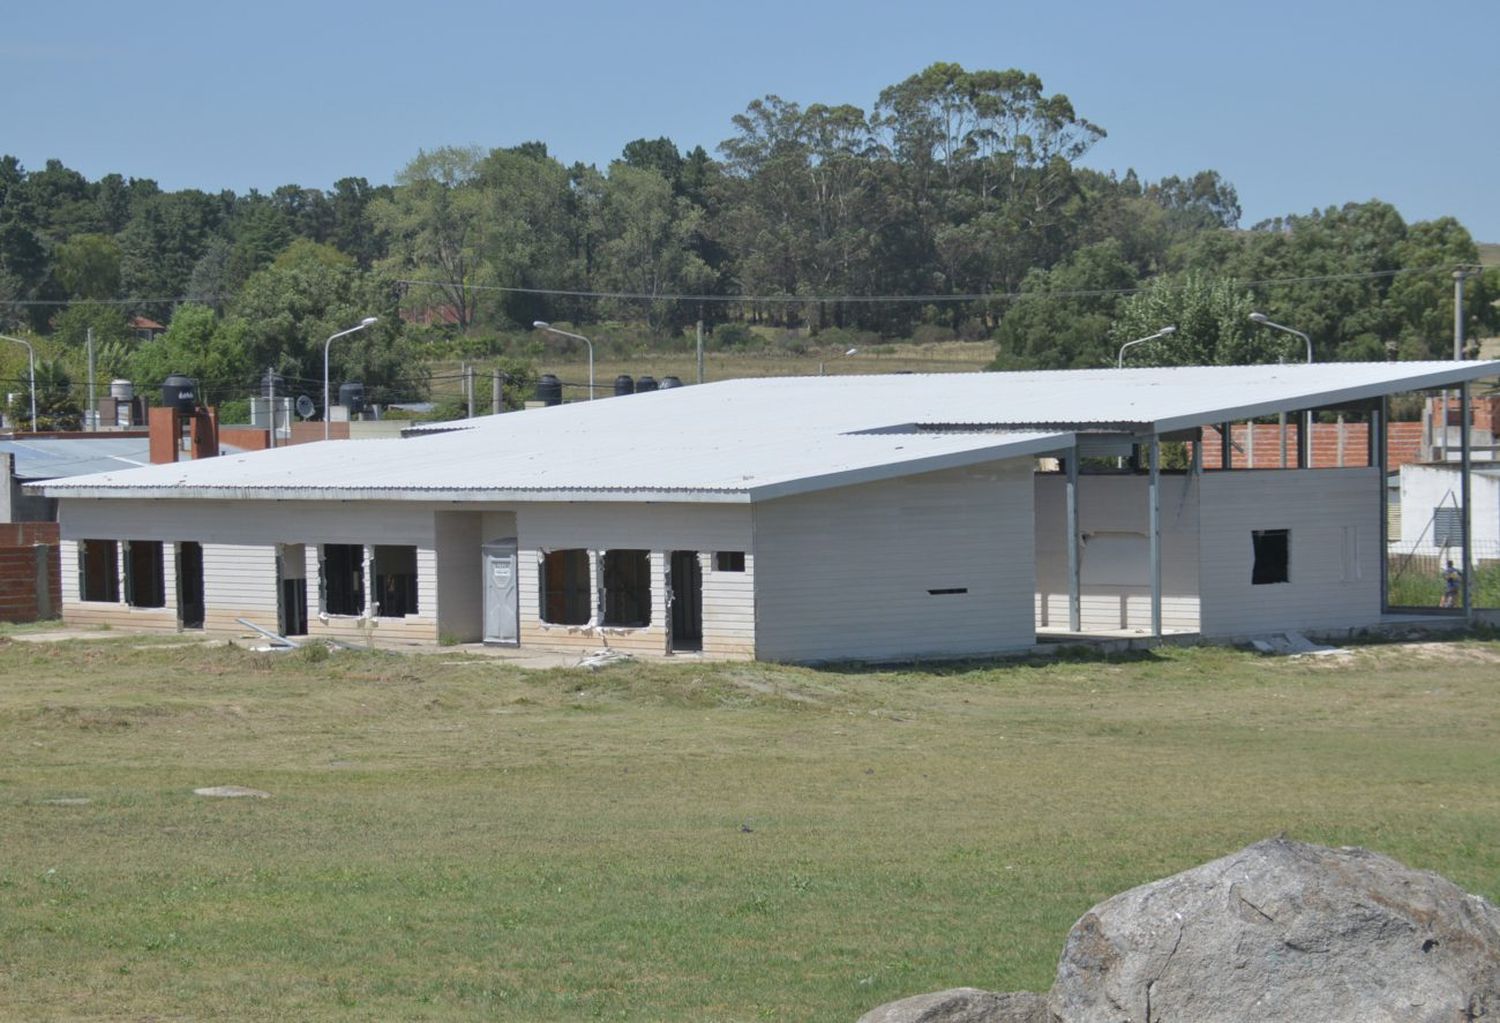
(502, 603)
(687, 601)
(291, 589)
(190, 584)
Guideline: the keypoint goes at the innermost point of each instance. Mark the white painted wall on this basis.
(1114, 559)
(1425, 487)
(1334, 518)
(844, 574)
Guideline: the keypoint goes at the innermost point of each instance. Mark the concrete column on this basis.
(1155, 499)
(1075, 600)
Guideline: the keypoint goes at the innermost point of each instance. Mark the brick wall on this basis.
(1403, 445)
(21, 545)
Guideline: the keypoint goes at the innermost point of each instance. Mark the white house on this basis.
(800, 519)
(1432, 509)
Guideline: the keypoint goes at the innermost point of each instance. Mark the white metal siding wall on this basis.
(460, 578)
(76, 611)
(1118, 504)
(728, 608)
(239, 581)
(658, 528)
(1317, 506)
(249, 522)
(845, 574)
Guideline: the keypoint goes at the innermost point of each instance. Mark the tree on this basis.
(310, 293)
(436, 226)
(647, 252)
(88, 267)
(56, 407)
(1212, 317)
(198, 344)
(1064, 317)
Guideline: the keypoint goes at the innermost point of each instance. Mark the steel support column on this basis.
(1155, 502)
(1464, 490)
(1379, 457)
(1075, 604)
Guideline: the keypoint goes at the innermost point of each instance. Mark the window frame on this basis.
(625, 586)
(573, 593)
(106, 554)
(1263, 544)
(327, 589)
(149, 555)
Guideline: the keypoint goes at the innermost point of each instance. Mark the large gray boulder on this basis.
(963, 1005)
(1285, 931)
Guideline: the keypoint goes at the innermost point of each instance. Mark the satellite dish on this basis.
(305, 407)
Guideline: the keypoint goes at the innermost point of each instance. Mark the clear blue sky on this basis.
(1299, 104)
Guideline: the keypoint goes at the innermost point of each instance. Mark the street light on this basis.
(1266, 321)
(544, 325)
(366, 322)
(1164, 332)
(31, 362)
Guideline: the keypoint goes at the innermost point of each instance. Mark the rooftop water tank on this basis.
(667, 382)
(624, 385)
(179, 392)
(549, 389)
(121, 390)
(644, 384)
(352, 396)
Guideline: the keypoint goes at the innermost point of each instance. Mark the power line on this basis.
(981, 296)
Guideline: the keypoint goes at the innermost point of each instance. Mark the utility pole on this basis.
(93, 416)
(497, 392)
(1458, 314)
(469, 388)
(271, 392)
(700, 347)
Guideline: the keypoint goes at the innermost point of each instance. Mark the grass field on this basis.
(572, 366)
(450, 838)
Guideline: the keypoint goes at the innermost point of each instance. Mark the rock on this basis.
(963, 1005)
(232, 792)
(1285, 931)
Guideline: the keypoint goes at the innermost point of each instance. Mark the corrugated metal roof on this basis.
(760, 438)
(47, 458)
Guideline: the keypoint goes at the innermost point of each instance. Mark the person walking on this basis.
(1452, 580)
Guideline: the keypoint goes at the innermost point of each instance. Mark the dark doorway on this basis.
(291, 590)
(687, 601)
(190, 584)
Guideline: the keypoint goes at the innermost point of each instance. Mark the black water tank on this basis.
(644, 384)
(667, 382)
(179, 392)
(624, 385)
(549, 389)
(272, 385)
(352, 396)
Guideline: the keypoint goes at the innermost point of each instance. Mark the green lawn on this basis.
(450, 838)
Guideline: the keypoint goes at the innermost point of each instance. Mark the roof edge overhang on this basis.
(492, 496)
(1460, 373)
(1039, 445)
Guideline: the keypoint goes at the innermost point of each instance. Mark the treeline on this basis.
(954, 206)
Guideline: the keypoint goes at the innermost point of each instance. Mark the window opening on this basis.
(565, 587)
(144, 584)
(1273, 555)
(627, 588)
(395, 581)
(729, 561)
(99, 571)
(1447, 527)
(343, 579)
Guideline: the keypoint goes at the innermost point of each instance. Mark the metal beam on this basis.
(1379, 456)
(1155, 502)
(1075, 604)
(1464, 490)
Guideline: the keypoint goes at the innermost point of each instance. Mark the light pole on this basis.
(1164, 332)
(544, 325)
(366, 322)
(31, 364)
(1265, 321)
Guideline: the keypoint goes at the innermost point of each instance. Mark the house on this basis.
(1432, 503)
(801, 519)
